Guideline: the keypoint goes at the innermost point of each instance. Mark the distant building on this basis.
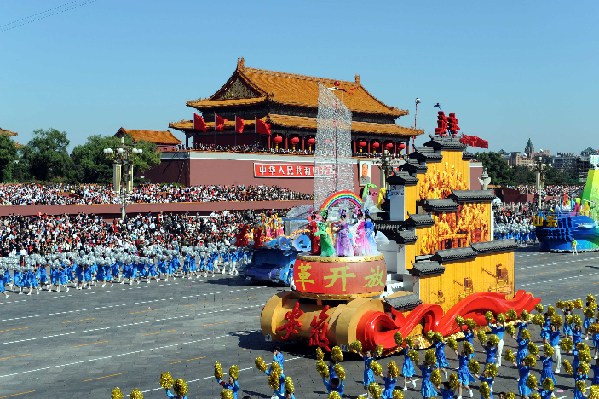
(564, 161)
(529, 150)
(519, 159)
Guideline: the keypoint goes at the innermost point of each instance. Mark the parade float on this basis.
(439, 260)
(571, 220)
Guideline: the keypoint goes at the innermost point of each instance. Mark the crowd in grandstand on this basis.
(88, 194)
(245, 148)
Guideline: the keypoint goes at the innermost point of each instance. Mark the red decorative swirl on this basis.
(378, 328)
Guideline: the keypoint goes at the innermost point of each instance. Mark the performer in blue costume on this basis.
(440, 355)
(595, 370)
(523, 373)
(334, 384)
(554, 339)
(278, 357)
(491, 352)
(486, 377)
(407, 370)
(232, 384)
(389, 382)
(18, 277)
(546, 329)
(547, 360)
(3, 282)
(576, 333)
(522, 349)
(428, 389)
(368, 373)
(578, 376)
(465, 378)
(498, 328)
(446, 391)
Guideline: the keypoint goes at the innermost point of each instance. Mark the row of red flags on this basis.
(261, 127)
(474, 141)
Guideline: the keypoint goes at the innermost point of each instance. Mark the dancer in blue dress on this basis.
(465, 378)
(522, 348)
(368, 373)
(389, 382)
(334, 384)
(546, 329)
(578, 376)
(278, 357)
(589, 312)
(491, 352)
(523, 372)
(498, 328)
(446, 391)
(554, 340)
(3, 281)
(595, 370)
(439, 344)
(486, 377)
(428, 389)
(407, 369)
(18, 278)
(576, 332)
(547, 360)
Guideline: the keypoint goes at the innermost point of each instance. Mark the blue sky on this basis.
(510, 70)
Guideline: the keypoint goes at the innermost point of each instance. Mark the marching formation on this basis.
(103, 265)
(539, 362)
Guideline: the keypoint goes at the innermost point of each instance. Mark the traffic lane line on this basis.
(102, 378)
(557, 280)
(188, 360)
(14, 357)
(17, 394)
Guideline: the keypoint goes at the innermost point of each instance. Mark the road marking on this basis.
(559, 279)
(14, 329)
(214, 324)
(14, 357)
(159, 332)
(90, 343)
(78, 321)
(67, 312)
(188, 360)
(21, 318)
(101, 378)
(142, 311)
(17, 394)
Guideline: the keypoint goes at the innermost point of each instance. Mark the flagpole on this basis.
(235, 131)
(215, 130)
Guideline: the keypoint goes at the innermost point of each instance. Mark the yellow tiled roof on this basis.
(8, 132)
(298, 90)
(153, 136)
(300, 122)
(225, 103)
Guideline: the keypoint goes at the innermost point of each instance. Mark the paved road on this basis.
(61, 345)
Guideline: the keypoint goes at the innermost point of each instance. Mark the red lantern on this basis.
(362, 144)
(375, 145)
(401, 146)
(294, 141)
(389, 146)
(277, 140)
(311, 142)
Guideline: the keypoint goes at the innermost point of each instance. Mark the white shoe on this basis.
(38, 292)
(557, 370)
(29, 293)
(414, 383)
(122, 281)
(103, 285)
(58, 289)
(459, 397)
(6, 296)
(137, 282)
(470, 393)
(67, 290)
(405, 388)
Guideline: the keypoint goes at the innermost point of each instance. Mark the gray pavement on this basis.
(87, 342)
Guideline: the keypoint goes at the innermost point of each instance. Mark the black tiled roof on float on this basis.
(405, 236)
(402, 178)
(454, 254)
(389, 226)
(494, 246)
(426, 154)
(413, 167)
(440, 205)
(467, 156)
(472, 195)
(406, 302)
(426, 268)
(445, 143)
(420, 220)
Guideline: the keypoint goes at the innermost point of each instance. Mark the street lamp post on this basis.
(540, 169)
(386, 163)
(122, 171)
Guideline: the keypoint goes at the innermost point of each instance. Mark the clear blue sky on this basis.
(510, 70)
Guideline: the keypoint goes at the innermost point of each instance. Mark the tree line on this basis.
(45, 158)
(503, 175)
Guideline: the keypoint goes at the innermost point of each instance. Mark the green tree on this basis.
(497, 167)
(8, 155)
(47, 156)
(92, 165)
(522, 175)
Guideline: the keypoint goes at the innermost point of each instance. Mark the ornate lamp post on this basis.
(122, 171)
(386, 162)
(540, 169)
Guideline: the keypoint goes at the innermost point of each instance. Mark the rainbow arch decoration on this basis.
(339, 196)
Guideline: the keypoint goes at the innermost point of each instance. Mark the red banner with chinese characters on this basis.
(291, 170)
(340, 276)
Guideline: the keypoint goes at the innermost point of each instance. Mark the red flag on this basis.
(262, 127)
(219, 122)
(481, 143)
(239, 124)
(198, 123)
(468, 140)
